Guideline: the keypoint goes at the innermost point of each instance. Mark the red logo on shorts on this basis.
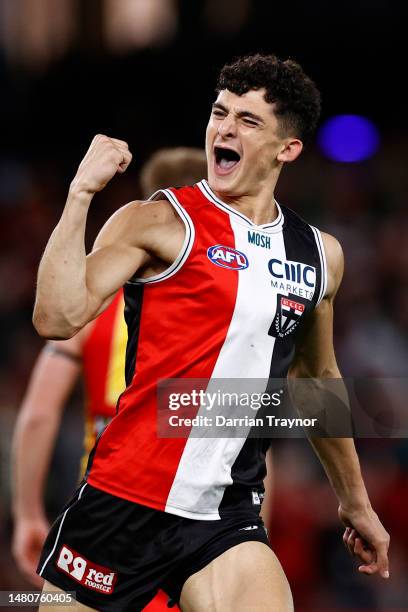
(87, 573)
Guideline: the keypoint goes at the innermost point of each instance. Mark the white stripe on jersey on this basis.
(205, 466)
(323, 262)
(187, 243)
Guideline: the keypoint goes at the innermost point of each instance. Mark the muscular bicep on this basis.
(127, 243)
(109, 267)
(118, 253)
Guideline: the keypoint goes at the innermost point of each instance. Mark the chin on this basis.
(223, 185)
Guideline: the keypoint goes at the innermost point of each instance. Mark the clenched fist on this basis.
(104, 158)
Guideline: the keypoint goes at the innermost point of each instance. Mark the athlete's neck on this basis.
(257, 202)
(258, 212)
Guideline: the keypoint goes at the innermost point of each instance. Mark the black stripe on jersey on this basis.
(249, 469)
(247, 472)
(300, 245)
(133, 294)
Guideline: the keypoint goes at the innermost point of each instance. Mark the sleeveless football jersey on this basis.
(229, 306)
(103, 363)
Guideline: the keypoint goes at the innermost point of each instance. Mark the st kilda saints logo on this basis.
(287, 318)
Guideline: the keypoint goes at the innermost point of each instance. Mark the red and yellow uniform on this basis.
(103, 362)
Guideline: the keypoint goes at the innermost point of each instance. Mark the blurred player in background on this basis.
(98, 352)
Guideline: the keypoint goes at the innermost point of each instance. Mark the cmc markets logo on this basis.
(227, 257)
(293, 271)
(87, 573)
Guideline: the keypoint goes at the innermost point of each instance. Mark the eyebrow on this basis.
(243, 113)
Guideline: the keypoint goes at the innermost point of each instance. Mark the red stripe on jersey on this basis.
(183, 326)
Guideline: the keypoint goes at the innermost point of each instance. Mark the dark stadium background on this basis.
(65, 75)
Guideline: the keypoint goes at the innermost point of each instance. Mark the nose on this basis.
(227, 127)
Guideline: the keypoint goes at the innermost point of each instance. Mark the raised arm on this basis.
(364, 536)
(73, 288)
(35, 432)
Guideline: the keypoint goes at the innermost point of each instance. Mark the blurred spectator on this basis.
(139, 23)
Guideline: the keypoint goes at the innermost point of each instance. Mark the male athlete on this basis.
(98, 350)
(208, 271)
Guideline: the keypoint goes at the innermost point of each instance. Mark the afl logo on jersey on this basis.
(227, 257)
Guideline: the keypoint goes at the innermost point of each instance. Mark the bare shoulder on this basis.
(335, 263)
(154, 211)
(134, 223)
(144, 213)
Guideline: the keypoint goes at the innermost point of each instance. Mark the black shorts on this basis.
(116, 554)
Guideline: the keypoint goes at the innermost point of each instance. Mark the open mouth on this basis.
(226, 159)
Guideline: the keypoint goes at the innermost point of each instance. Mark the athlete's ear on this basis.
(291, 149)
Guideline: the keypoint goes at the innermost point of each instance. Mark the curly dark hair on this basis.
(295, 97)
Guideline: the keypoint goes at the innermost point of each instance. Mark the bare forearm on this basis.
(327, 399)
(64, 304)
(51, 381)
(32, 447)
(61, 300)
(340, 461)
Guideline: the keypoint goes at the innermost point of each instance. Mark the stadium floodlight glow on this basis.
(348, 138)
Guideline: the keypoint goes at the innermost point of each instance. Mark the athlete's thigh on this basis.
(76, 607)
(245, 578)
